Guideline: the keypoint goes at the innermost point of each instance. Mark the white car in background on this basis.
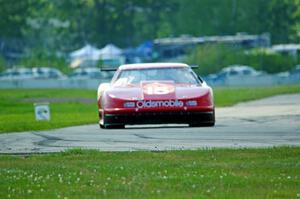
(239, 70)
(295, 70)
(232, 71)
(16, 73)
(47, 73)
(90, 73)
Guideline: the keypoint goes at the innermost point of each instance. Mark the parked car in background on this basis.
(239, 70)
(47, 73)
(293, 73)
(233, 71)
(285, 74)
(108, 73)
(89, 73)
(16, 73)
(295, 70)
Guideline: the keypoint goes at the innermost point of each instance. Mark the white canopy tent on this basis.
(87, 52)
(89, 56)
(110, 51)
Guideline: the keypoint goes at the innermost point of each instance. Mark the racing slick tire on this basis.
(115, 126)
(111, 126)
(204, 124)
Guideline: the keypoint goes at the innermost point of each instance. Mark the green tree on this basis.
(212, 58)
(215, 17)
(13, 17)
(42, 58)
(2, 64)
(66, 25)
(281, 19)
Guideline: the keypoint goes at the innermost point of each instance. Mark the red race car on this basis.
(155, 93)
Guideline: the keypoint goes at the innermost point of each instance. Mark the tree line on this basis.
(65, 25)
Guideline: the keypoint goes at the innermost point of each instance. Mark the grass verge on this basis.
(216, 173)
(229, 96)
(17, 111)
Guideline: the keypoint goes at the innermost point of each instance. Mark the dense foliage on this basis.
(41, 58)
(62, 26)
(69, 24)
(212, 58)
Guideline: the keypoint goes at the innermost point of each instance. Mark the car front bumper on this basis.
(178, 117)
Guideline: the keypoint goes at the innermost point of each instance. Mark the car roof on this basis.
(151, 65)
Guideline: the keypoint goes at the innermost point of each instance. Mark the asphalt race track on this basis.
(268, 122)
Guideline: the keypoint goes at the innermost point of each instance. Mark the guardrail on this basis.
(264, 80)
(52, 83)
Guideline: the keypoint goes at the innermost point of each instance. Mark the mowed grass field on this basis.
(76, 107)
(215, 173)
(17, 108)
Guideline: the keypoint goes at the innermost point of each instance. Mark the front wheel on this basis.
(209, 123)
(202, 124)
(103, 124)
(115, 126)
(112, 126)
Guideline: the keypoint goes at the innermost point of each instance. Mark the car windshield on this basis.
(135, 76)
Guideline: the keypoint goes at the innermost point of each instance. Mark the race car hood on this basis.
(163, 90)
